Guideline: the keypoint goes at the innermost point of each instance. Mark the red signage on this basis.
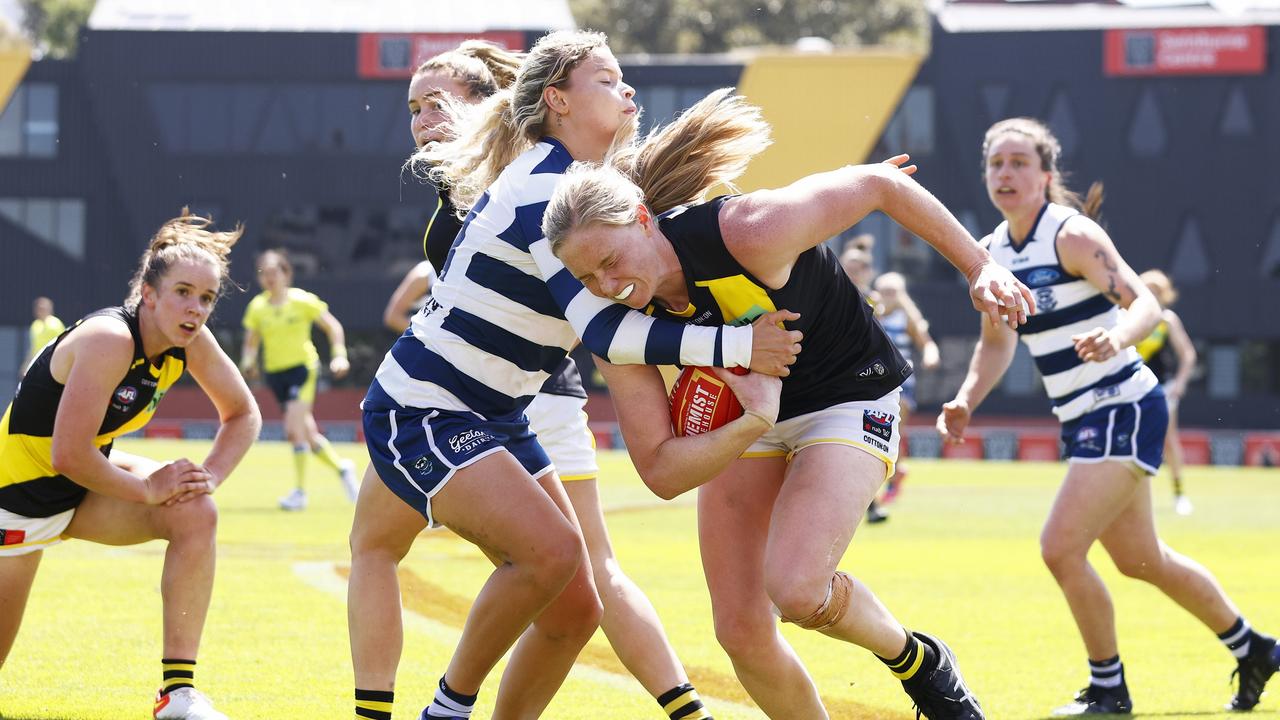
(1185, 51)
(397, 55)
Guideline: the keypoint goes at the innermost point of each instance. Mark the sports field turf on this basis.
(959, 558)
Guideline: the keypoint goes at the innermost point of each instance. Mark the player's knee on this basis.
(818, 610)
(744, 636)
(556, 557)
(196, 518)
(1058, 555)
(573, 617)
(1143, 566)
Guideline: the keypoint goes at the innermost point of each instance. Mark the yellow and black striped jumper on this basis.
(29, 486)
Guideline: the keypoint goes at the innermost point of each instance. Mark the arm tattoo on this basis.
(1112, 292)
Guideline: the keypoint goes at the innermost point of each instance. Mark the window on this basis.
(57, 221)
(1224, 372)
(911, 128)
(29, 123)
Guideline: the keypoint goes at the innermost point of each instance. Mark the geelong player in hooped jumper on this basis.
(444, 418)
(99, 380)
(1112, 411)
(470, 73)
(777, 504)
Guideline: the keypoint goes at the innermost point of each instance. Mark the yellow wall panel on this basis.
(15, 57)
(826, 110)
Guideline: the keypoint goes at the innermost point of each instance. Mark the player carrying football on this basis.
(775, 523)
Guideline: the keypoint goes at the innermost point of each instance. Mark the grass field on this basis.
(959, 558)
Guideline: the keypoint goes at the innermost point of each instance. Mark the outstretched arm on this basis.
(768, 229)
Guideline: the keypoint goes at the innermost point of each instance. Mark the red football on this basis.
(701, 402)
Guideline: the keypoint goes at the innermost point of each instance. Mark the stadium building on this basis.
(293, 122)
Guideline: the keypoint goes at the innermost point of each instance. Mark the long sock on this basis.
(326, 453)
(449, 703)
(1107, 673)
(1239, 638)
(177, 674)
(300, 465)
(682, 703)
(914, 658)
(374, 704)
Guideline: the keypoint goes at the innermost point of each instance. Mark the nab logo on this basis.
(1042, 276)
(126, 395)
(878, 423)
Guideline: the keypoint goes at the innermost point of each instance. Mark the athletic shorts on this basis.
(20, 535)
(295, 383)
(870, 425)
(416, 452)
(908, 399)
(561, 426)
(1132, 432)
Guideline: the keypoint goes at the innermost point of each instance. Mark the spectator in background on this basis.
(1170, 336)
(45, 327)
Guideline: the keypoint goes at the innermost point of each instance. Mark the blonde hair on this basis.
(709, 144)
(185, 237)
(483, 139)
(1161, 286)
(1050, 151)
(481, 66)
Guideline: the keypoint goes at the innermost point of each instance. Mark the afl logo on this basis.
(1042, 276)
(126, 395)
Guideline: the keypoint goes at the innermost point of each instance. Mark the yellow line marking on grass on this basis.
(441, 615)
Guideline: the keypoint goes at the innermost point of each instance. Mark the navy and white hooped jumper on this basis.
(1110, 410)
(501, 319)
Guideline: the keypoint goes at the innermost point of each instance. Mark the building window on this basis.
(911, 128)
(29, 123)
(1224, 372)
(56, 221)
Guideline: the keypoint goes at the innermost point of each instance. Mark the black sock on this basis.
(374, 704)
(682, 703)
(914, 658)
(449, 703)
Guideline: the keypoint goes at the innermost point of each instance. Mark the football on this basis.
(701, 402)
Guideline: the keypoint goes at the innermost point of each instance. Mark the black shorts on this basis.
(291, 384)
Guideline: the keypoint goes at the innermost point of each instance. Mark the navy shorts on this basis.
(292, 384)
(1133, 431)
(416, 452)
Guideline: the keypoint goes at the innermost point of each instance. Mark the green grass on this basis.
(959, 558)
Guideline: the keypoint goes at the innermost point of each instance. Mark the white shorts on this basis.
(560, 423)
(20, 535)
(870, 425)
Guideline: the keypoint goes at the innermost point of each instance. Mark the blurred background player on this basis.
(909, 331)
(103, 378)
(855, 259)
(1112, 411)
(1170, 338)
(279, 320)
(44, 327)
(557, 416)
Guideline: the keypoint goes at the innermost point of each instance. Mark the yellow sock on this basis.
(177, 674)
(300, 465)
(325, 452)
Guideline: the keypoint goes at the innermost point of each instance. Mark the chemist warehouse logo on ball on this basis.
(469, 440)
